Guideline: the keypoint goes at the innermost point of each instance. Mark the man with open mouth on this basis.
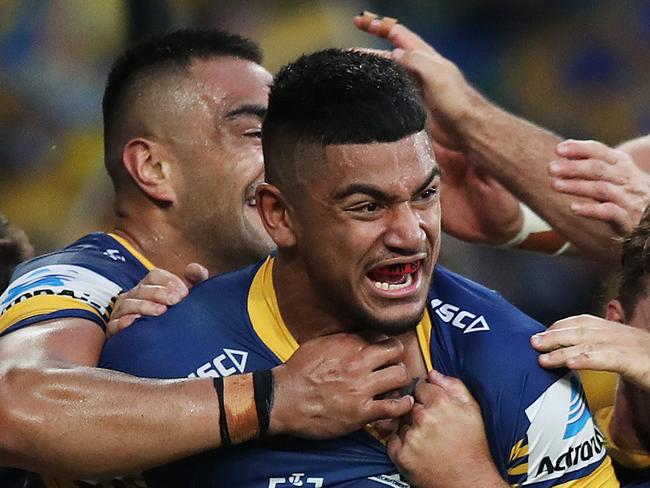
(351, 200)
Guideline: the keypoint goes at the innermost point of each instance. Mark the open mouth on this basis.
(396, 279)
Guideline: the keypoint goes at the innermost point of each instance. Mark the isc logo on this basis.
(229, 362)
(467, 321)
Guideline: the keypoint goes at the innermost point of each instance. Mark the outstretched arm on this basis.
(59, 414)
(515, 151)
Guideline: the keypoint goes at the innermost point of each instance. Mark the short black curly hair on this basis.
(339, 96)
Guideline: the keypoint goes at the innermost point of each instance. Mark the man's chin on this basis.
(392, 325)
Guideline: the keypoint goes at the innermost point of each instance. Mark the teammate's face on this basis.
(369, 231)
(221, 158)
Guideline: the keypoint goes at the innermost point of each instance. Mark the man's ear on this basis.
(614, 312)
(149, 168)
(274, 211)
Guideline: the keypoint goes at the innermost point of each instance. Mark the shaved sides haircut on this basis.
(145, 66)
(337, 97)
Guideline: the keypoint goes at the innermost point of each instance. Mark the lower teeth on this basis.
(394, 286)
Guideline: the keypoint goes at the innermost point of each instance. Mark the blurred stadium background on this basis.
(580, 67)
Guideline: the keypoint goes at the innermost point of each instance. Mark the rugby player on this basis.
(563, 180)
(351, 201)
(182, 119)
(586, 342)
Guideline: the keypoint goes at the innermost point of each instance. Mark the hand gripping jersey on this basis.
(539, 427)
(79, 281)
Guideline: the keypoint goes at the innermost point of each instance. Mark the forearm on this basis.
(517, 153)
(90, 422)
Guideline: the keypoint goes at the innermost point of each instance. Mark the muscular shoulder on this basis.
(80, 280)
(212, 319)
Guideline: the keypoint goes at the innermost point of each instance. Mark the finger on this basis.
(557, 358)
(607, 212)
(562, 337)
(572, 148)
(453, 386)
(162, 277)
(612, 359)
(137, 306)
(388, 379)
(374, 24)
(116, 325)
(375, 52)
(427, 393)
(602, 191)
(151, 293)
(195, 273)
(587, 169)
(389, 408)
(382, 353)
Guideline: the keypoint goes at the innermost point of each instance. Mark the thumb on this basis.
(195, 273)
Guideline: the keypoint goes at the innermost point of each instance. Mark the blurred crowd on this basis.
(579, 68)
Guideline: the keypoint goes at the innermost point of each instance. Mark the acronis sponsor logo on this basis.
(578, 412)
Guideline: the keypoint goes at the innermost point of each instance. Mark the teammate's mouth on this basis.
(396, 280)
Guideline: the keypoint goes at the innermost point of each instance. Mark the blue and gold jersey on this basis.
(80, 280)
(539, 427)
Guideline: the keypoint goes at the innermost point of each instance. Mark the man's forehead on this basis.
(396, 167)
(415, 147)
(231, 81)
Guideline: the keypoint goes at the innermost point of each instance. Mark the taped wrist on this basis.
(245, 402)
(537, 235)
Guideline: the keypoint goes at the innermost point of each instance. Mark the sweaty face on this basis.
(369, 231)
(219, 149)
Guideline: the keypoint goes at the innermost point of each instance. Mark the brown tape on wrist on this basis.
(240, 409)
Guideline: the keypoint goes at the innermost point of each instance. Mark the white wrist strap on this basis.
(532, 224)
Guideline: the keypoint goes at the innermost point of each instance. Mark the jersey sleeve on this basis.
(538, 423)
(559, 443)
(53, 291)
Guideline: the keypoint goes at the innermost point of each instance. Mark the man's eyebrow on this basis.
(435, 172)
(248, 109)
(354, 188)
(376, 193)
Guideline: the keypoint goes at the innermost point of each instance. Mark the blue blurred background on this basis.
(578, 67)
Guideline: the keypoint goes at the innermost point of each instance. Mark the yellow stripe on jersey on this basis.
(265, 314)
(423, 331)
(603, 477)
(42, 305)
(519, 450)
(629, 458)
(129, 247)
(600, 388)
(518, 470)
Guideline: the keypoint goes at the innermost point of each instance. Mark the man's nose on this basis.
(404, 229)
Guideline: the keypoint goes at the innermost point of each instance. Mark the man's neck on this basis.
(302, 310)
(307, 317)
(164, 245)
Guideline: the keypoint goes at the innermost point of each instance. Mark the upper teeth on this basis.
(394, 286)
